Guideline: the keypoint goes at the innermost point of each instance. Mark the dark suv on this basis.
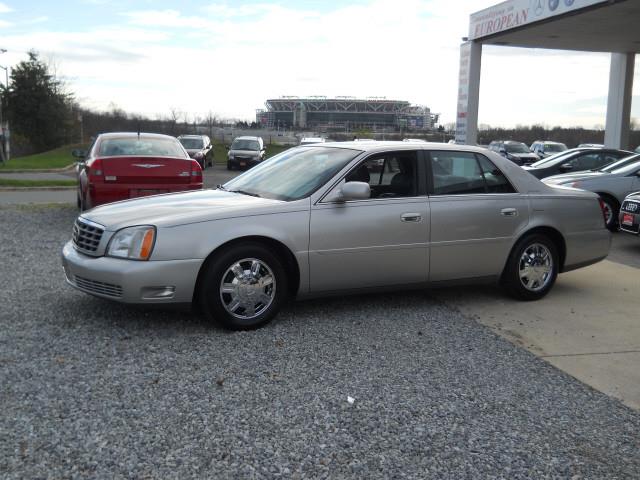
(199, 147)
(517, 152)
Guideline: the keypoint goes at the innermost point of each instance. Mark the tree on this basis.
(39, 109)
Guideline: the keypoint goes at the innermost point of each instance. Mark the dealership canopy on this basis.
(585, 25)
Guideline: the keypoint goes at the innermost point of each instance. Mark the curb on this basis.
(41, 170)
(30, 189)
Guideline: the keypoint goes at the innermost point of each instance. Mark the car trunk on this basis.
(147, 170)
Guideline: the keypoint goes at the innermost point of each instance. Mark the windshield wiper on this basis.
(244, 192)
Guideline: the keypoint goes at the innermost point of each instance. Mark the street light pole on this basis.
(4, 142)
(6, 151)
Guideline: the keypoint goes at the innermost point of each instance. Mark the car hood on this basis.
(174, 209)
(248, 153)
(574, 177)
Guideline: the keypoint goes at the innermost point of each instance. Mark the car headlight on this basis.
(135, 243)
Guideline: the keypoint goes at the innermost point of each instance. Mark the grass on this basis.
(58, 158)
(10, 182)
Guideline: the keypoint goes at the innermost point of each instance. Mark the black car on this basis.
(576, 160)
(517, 152)
(199, 147)
(629, 216)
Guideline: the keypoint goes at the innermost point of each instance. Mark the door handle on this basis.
(410, 217)
(509, 212)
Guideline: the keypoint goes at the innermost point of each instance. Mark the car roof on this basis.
(387, 145)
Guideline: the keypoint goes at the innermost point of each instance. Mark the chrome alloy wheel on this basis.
(535, 267)
(608, 212)
(248, 288)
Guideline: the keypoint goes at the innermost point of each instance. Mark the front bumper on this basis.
(130, 281)
(244, 162)
(629, 217)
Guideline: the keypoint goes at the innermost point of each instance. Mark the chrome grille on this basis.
(93, 286)
(86, 235)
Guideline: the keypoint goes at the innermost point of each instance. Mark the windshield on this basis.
(192, 143)
(241, 144)
(620, 163)
(293, 174)
(516, 148)
(555, 147)
(630, 167)
(141, 146)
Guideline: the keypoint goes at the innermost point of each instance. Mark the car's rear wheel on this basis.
(532, 268)
(243, 287)
(611, 210)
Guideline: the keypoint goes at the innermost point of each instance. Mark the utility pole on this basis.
(4, 133)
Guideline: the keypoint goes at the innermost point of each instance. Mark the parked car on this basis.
(119, 166)
(311, 140)
(637, 150)
(517, 152)
(612, 183)
(199, 147)
(575, 160)
(245, 152)
(545, 148)
(312, 221)
(629, 218)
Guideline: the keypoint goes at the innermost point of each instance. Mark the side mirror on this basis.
(355, 191)
(79, 154)
(565, 167)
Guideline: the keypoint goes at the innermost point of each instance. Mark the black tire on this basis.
(613, 206)
(229, 166)
(218, 306)
(512, 281)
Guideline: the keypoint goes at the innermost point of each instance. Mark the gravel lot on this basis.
(92, 389)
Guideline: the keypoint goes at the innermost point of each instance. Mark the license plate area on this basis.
(627, 219)
(145, 192)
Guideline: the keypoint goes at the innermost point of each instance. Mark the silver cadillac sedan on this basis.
(338, 217)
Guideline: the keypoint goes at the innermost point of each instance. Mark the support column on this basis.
(619, 103)
(468, 93)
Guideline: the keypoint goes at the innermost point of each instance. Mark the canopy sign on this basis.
(516, 13)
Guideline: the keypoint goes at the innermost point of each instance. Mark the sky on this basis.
(151, 57)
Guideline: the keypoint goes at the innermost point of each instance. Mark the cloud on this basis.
(4, 8)
(165, 18)
(230, 59)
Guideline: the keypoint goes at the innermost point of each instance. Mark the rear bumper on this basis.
(101, 193)
(586, 248)
(130, 281)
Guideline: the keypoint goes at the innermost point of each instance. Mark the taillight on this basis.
(603, 209)
(196, 172)
(95, 169)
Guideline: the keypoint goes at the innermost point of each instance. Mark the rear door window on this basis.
(465, 173)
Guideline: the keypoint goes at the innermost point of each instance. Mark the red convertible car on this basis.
(119, 166)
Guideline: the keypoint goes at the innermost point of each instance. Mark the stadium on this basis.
(345, 114)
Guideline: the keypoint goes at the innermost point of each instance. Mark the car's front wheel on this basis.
(243, 287)
(532, 268)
